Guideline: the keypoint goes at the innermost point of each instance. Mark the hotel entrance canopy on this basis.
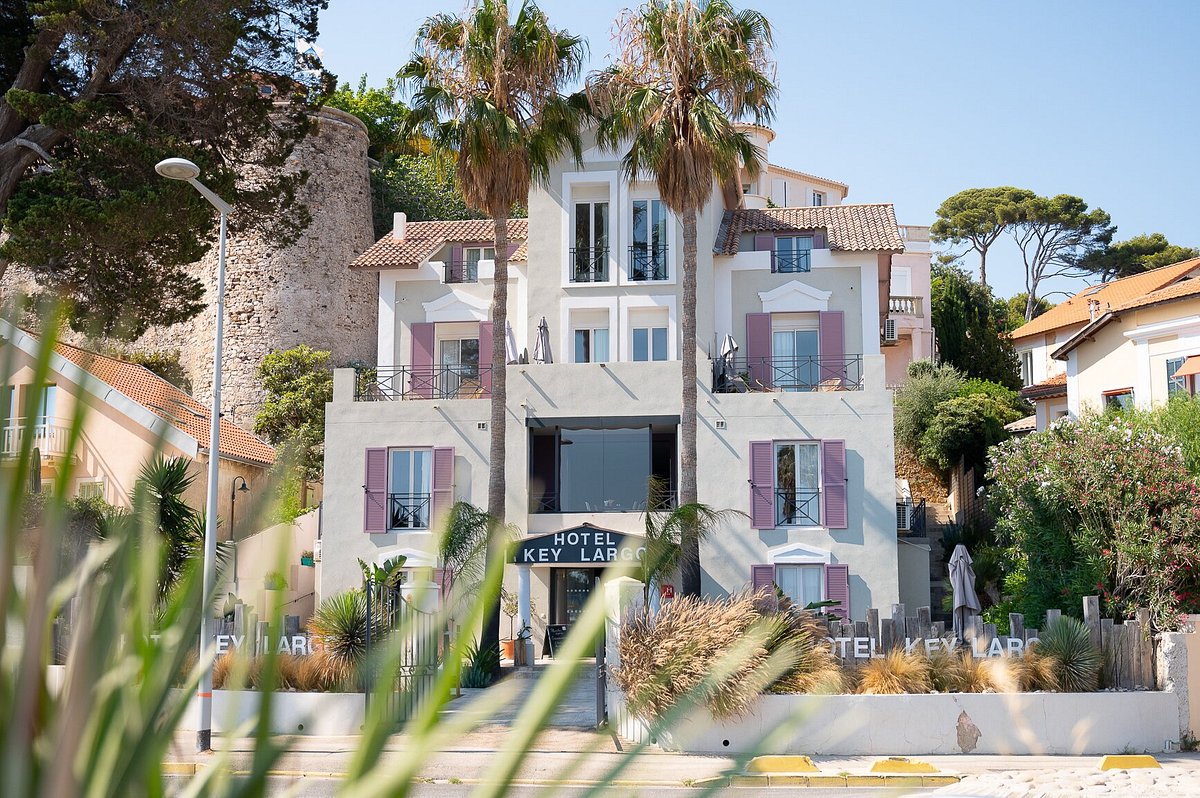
(579, 545)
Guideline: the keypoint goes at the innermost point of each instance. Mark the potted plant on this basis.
(510, 607)
(306, 558)
(521, 649)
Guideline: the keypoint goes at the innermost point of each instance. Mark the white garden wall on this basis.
(320, 714)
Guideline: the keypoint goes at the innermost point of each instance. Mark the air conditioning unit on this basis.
(889, 331)
(903, 516)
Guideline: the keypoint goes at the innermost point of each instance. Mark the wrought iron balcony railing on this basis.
(389, 383)
(757, 374)
(549, 502)
(791, 261)
(462, 271)
(589, 265)
(798, 507)
(648, 263)
(408, 510)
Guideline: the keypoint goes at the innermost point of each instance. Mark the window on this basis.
(648, 254)
(1118, 400)
(818, 198)
(798, 483)
(792, 254)
(602, 468)
(1027, 368)
(409, 487)
(902, 281)
(589, 257)
(591, 345)
(803, 584)
(460, 361)
(471, 258)
(650, 343)
(1176, 384)
(795, 351)
(91, 489)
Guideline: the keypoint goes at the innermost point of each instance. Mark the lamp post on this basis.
(183, 169)
(233, 492)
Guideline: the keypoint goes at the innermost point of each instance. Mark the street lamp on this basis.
(233, 492)
(183, 169)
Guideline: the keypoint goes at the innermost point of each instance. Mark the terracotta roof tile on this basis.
(1051, 386)
(1110, 295)
(848, 228)
(423, 239)
(168, 402)
(1189, 286)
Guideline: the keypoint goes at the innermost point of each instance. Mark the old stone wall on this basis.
(277, 298)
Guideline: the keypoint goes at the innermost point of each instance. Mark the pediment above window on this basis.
(456, 306)
(795, 297)
(799, 554)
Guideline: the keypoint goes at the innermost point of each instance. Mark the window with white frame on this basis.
(589, 252)
(460, 364)
(648, 250)
(818, 198)
(91, 489)
(410, 477)
(589, 336)
(1027, 368)
(648, 339)
(792, 254)
(803, 584)
(795, 351)
(1118, 400)
(798, 483)
(471, 258)
(1176, 384)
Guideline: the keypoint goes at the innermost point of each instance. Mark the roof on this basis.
(1111, 294)
(806, 176)
(848, 228)
(169, 403)
(423, 239)
(1054, 386)
(1022, 425)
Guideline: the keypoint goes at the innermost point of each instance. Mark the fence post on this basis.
(1091, 617)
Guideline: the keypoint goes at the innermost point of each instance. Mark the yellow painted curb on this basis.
(749, 781)
(826, 781)
(900, 764)
(179, 768)
(722, 781)
(781, 764)
(1128, 762)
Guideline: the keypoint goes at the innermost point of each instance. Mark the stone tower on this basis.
(277, 298)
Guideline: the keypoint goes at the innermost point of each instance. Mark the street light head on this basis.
(177, 169)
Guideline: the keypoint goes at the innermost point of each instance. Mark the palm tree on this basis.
(487, 93)
(159, 488)
(665, 531)
(686, 73)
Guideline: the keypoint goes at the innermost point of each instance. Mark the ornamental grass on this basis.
(895, 673)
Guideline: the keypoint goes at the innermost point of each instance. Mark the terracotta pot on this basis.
(506, 649)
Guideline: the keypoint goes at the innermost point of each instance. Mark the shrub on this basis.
(1034, 670)
(895, 673)
(1074, 661)
(927, 387)
(480, 664)
(339, 627)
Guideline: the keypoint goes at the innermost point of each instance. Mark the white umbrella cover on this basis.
(510, 344)
(962, 584)
(541, 345)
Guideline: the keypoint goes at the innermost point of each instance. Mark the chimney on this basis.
(399, 226)
(1093, 308)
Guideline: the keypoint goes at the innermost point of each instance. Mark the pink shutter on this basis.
(762, 485)
(762, 577)
(513, 246)
(422, 377)
(819, 239)
(833, 346)
(441, 578)
(456, 269)
(833, 484)
(375, 500)
(443, 485)
(764, 243)
(758, 349)
(485, 357)
(837, 588)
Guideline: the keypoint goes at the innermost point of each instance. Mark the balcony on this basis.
(391, 383)
(790, 261)
(549, 502)
(50, 439)
(646, 264)
(796, 374)
(906, 305)
(798, 507)
(408, 511)
(462, 272)
(589, 265)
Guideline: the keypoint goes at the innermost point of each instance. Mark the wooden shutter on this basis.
(762, 577)
(758, 349)
(833, 484)
(456, 269)
(819, 239)
(421, 378)
(833, 346)
(443, 485)
(485, 357)
(375, 498)
(764, 243)
(837, 588)
(762, 485)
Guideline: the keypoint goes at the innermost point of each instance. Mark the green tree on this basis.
(1134, 256)
(964, 428)
(928, 385)
(1056, 236)
(159, 488)
(970, 328)
(385, 116)
(1014, 309)
(298, 383)
(487, 95)
(977, 216)
(95, 94)
(685, 73)
(419, 186)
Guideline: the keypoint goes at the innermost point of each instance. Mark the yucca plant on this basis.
(1076, 662)
(339, 628)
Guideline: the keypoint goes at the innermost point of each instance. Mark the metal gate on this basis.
(414, 637)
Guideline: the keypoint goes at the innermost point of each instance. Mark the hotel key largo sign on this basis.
(581, 545)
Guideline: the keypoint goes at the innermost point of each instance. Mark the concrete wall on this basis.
(1178, 672)
(278, 549)
(913, 563)
(307, 714)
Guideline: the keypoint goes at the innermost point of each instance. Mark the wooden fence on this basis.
(1127, 648)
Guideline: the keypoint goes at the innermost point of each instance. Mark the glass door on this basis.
(590, 254)
(795, 359)
(460, 359)
(570, 588)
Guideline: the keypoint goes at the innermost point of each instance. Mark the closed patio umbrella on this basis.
(510, 344)
(726, 366)
(541, 345)
(962, 585)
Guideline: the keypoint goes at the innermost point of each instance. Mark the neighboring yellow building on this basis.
(1129, 342)
(131, 413)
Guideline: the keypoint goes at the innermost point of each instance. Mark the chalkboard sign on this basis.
(556, 634)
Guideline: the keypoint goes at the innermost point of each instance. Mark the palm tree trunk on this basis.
(490, 638)
(689, 566)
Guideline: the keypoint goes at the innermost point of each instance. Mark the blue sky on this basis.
(909, 102)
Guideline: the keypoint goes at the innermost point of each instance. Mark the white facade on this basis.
(587, 431)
